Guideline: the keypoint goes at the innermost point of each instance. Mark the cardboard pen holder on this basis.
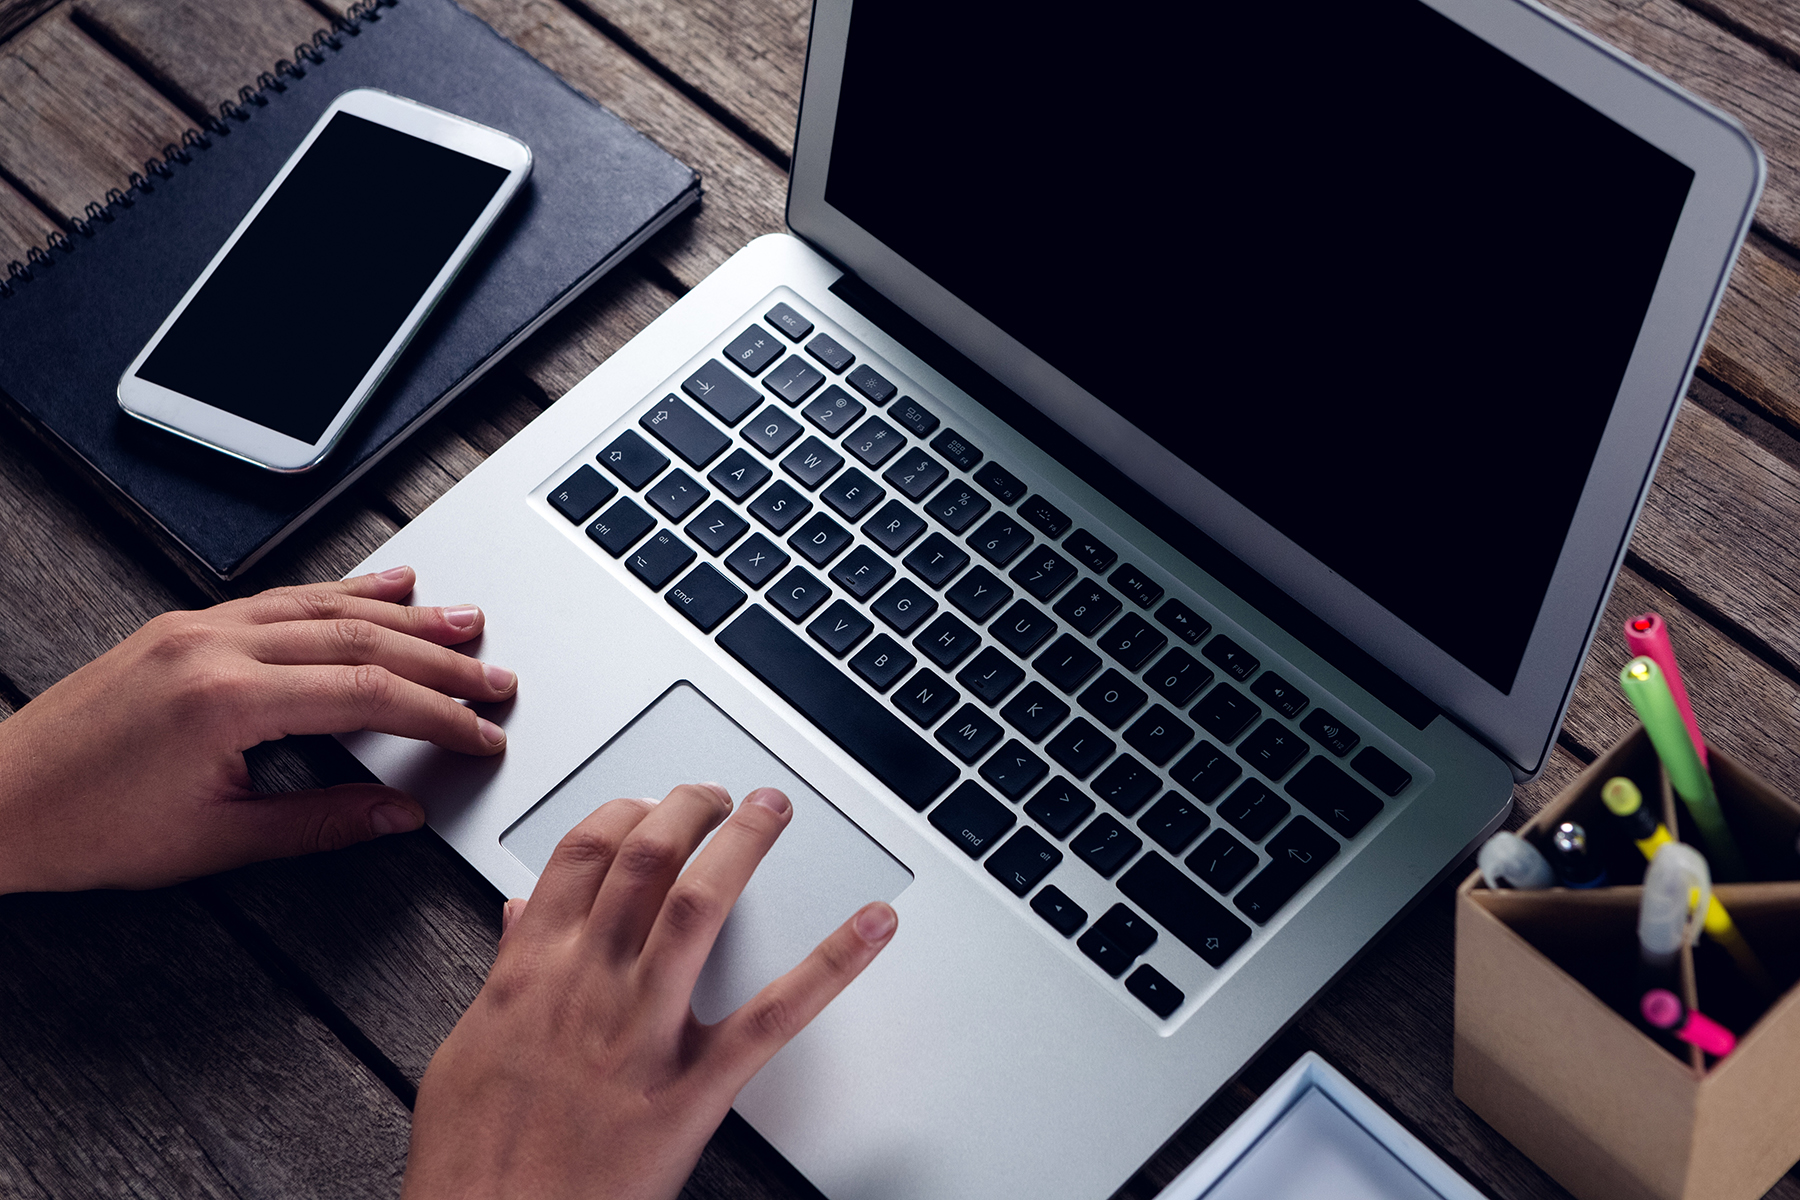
(1546, 1054)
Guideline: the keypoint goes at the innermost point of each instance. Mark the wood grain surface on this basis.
(261, 1033)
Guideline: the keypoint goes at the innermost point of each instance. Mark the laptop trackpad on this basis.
(823, 868)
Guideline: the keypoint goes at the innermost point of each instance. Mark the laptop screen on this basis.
(1365, 272)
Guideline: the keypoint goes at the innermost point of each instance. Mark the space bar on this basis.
(829, 699)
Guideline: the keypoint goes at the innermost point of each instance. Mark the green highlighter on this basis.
(1648, 692)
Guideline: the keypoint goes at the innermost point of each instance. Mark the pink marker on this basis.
(1664, 1009)
(1648, 635)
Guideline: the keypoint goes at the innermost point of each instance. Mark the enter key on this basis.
(1296, 854)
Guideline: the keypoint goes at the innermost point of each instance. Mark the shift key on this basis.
(1183, 908)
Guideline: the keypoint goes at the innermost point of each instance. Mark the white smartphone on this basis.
(270, 353)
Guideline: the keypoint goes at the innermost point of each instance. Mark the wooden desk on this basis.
(262, 1033)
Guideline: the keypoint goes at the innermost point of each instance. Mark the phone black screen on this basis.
(280, 334)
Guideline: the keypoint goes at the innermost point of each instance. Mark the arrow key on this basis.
(1148, 985)
(1065, 916)
(1296, 854)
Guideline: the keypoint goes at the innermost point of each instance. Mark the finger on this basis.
(649, 859)
(446, 626)
(699, 901)
(337, 699)
(285, 825)
(510, 912)
(749, 1037)
(564, 895)
(350, 641)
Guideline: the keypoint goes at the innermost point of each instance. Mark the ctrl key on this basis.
(619, 527)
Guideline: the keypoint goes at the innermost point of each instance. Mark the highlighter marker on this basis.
(1663, 1009)
(1648, 692)
(1649, 635)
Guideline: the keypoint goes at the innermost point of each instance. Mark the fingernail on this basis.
(875, 923)
(499, 678)
(462, 616)
(491, 733)
(719, 791)
(391, 818)
(770, 799)
(393, 573)
(509, 912)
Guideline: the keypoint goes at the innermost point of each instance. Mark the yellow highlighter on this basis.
(1623, 799)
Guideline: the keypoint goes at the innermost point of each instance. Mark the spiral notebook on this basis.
(73, 316)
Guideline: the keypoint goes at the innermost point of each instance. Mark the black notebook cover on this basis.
(598, 189)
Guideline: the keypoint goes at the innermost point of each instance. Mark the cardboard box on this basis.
(1545, 1054)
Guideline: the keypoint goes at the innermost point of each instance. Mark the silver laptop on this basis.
(1147, 512)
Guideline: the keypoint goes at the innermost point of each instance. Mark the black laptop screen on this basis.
(1370, 275)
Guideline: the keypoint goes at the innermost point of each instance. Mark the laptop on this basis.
(1147, 510)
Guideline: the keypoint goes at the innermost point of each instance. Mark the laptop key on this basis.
(1137, 586)
(1222, 861)
(1334, 797)
(757, 560)
(1273, 749)
(1107, 954)
(915, 473)
(780, 506)
(1131, 641)
(771, 430)
(833, 410)
(1281, 695)
(1080, 748)
(1237, 662)
(675, 495)
(1186, 624)
(1127, 930)
(867, 381)
(972, 819)
(1381, 771)
(937, 560)
(910, 414)
(1034, 712)
(1224, 713)
(953, 446)
(1067, 663)
(739, 475)
(1295, 855)
(874, 442)
(1000, 539)
(717, 527)
(788, 321)
(582, 493)
(1329, 732)
(1022, 629)
(947, 642)
(1126, 784)
(1112, 698)
(826, 350)
(978, 594)
(720, 392)
(1253, 810)
(659, 559)
(697, 440)
(794, 380)
(752, 350)
(958, 507)
(1178, 677)
(1014, 769)
(820, 540)
(852, 494)
(1174, 822)
(812, 463)
(1002, 483)
(970, 734)
(1064, 915)
(861, 572)
(893, 527)
(797, 594)
(1043, 572)
(1090, 550)
(839, 628)
(1159, 735)
(916, 771)
(1059, 807)
(705, 597)
(1158, 994)
(904, 606)
(882, 661)
(1087, 607)
(925, 697)
(1050, 520)
(1023, 861)
(619, 527)
(632, 459)
(1180, 906)
(1105, 845)
(1205, 772)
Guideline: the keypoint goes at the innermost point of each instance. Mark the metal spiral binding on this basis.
(249, 98)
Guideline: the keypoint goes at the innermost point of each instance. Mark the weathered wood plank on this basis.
(74, 120)
(199, 51)
(1774, 23)
(16, 14)
(585, 334)
(1751, 347)
(22, 225)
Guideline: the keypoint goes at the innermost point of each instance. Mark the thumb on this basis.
(292, 823)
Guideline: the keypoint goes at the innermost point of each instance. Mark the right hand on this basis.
(580, 1069)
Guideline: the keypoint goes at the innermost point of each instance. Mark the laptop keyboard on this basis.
(1047, 707)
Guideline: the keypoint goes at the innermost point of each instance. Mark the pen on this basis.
(1649, 635)
(1623, 799)
(1648, 692)
(1574, 865)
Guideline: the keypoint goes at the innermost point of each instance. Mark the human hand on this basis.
(130, 772)
(580, 1069)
